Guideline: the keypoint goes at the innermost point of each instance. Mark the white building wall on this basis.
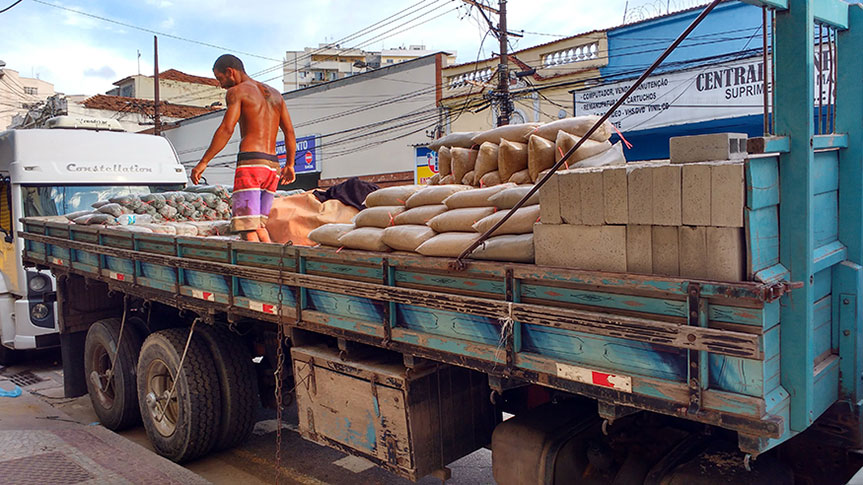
(17, 92)
(399, 102)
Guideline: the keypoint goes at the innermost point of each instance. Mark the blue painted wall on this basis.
(732, 30)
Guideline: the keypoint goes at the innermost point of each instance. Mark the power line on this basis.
(151, 31)
(10, 6)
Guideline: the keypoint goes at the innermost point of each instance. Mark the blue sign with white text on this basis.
(306, 159)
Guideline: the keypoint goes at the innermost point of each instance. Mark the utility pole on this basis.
(156, 119)
(503, 68)
(502, 94)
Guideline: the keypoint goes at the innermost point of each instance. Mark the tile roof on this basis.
(175, 75)
(143, 106)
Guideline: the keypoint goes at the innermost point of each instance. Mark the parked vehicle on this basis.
(51, 172)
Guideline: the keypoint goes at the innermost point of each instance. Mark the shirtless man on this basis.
(261, 111)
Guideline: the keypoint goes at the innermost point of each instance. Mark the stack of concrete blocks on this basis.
(682, 217)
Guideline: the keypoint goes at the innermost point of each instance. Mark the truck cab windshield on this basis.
(59, 200)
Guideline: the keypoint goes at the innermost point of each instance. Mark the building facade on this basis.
(174, 87)
(364, 126)
(328, 62)
(18, 94)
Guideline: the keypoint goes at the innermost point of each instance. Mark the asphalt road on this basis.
(303, 462)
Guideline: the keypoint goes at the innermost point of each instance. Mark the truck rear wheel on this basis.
(113, 392)
(183, 425)
(238, 385)
(8, 356)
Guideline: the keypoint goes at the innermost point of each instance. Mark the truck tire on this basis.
(237, 383)
(8, 356)
(187, 427)
(115, 399)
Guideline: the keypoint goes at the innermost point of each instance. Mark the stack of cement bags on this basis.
(520, 153)
(440, 221)
(195, 203)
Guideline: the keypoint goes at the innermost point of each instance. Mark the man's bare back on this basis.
(261, 112)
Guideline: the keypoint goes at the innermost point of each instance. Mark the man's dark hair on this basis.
(227, 60)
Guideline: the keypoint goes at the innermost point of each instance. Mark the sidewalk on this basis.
(40, 444)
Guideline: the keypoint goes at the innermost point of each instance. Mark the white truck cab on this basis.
(52, 172)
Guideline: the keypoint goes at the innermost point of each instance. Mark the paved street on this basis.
(42, 406)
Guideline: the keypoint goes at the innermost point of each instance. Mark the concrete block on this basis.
(570, 196)
(727, 194)
(615, 208)
(592, 200)
(666, 250)
(726, 254)
(695, 194)
(693, 252)
(592, 248)
(666, 195)
(705, 148)
(639, 180)
(549, 201)
(639, 249)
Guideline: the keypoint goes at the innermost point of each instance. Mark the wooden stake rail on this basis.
(718, 341)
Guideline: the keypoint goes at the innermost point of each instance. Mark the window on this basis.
(31, 91)
(59, 200)
(389, 61)
(127, 91)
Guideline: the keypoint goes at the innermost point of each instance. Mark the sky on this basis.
(55, 41)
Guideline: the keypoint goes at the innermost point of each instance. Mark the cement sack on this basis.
(463, 161)
(461, 139)
(589, 148)
(520, 223)
(512, 248)
(212, 228)
(407, 238)
(329, 234)
(507, 198)
(434, 195)
(100, 218)
(468, 178)
(420, 215)
(127, 219)
(160, 229)
(381, 216)
(138, 229)
(577, 126)
(511, 158)
(612, 156)
(448, 180)
(486, 161)
(521, 177)
(366, 238)
(517, 133)
(540, 156)
(434, 179)
(74, 215)
(459, 220)
(444, 162)
(397, 195)
(490, 179)
(114, 209)
(450, 244)
(183, 229)
(474, 198)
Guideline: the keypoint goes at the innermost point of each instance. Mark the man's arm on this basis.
(222, 136)
(288, 174)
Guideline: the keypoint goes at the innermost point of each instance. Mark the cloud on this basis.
(168, 23)
(103, 72)
(161, 3)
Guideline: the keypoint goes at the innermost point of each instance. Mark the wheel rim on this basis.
(163, 413)
(100, 365)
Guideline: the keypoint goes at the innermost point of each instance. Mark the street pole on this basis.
(503, 68)
(156, 120)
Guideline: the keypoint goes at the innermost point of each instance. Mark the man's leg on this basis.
(262, 235)
(251, 236)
